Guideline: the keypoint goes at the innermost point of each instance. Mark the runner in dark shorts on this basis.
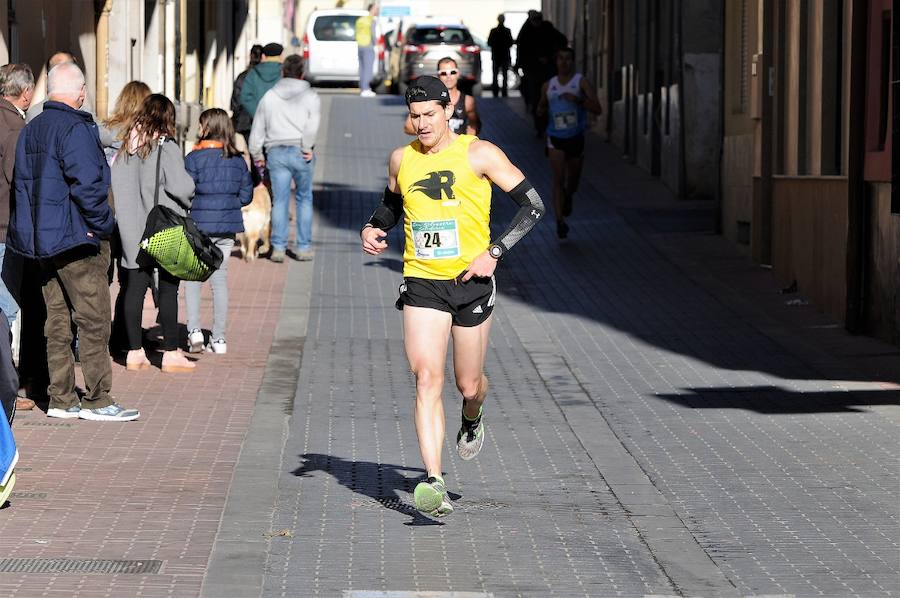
(470, 303)
(566, 99)
(439, 189)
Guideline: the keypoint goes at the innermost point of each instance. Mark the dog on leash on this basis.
(257, 224)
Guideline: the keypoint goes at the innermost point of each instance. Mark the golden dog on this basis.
(257, 224)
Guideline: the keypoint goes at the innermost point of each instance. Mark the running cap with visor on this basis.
(427, 88)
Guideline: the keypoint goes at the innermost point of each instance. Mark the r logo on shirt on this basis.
(437, 183)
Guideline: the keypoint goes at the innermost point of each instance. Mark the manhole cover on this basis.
(32, 495)
(105, 567)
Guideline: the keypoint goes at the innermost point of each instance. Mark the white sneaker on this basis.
(219, 346)
(368, 93)
(195, 341)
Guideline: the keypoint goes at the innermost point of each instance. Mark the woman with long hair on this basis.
(223, 188)
(149, 157)
(127, 106)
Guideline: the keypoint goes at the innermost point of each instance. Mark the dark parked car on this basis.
(424, 45)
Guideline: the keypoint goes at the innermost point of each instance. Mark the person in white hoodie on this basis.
(282, 139)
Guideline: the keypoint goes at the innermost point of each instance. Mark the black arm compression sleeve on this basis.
(388, 213)
(531, 209)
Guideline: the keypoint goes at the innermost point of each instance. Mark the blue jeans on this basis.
(366, 55)
(10, 282)
(219, 284)
(286, 163)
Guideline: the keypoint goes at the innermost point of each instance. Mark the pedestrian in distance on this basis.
(365, 48)
(61, 217)
(440, 184)
(150, 158)
(500, 41)
(241, 119)
(223, 187)
(566, 99)
(536, 47)
(16, 90)
(261, 78)
(282, 140)
(465, 119)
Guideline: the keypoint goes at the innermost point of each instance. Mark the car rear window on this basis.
(440, 35)
(335, 28)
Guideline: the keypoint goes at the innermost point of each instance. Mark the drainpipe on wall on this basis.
(857, 202)
(102, 39)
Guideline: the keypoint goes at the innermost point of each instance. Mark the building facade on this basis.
(190, 50)
(781, 111)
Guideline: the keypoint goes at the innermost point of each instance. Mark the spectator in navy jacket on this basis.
(61, 217)
(223, 187)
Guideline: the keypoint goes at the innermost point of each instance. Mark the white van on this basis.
(329, 47)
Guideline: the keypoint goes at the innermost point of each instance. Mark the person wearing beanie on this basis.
(261, 78)
(439, 186)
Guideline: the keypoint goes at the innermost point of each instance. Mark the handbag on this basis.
(175, 242)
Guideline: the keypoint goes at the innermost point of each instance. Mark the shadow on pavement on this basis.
(771, 400)
(380, 482)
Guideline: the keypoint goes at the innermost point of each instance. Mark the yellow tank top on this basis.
(447, 210)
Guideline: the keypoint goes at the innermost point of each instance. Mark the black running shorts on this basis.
(470, 303)
(573, 147)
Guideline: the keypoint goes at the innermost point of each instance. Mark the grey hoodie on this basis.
(287, 115)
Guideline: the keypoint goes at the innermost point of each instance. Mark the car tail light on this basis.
(305, 46)
(473, 49)
(413, 49)
(379, 47)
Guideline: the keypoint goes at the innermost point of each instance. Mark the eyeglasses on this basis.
(447, 73)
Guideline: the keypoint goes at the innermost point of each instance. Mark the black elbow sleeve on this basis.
(388, 213)
(531, 210)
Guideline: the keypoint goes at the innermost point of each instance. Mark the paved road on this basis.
(647, 433)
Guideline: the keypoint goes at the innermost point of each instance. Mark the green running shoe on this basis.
(470, 437)
(431, 497)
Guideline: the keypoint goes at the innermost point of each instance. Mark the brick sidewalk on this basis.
(151, 490)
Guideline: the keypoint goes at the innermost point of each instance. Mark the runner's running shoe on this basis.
(470, 437)
(431, 497)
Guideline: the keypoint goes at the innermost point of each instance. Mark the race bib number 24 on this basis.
(435, 239)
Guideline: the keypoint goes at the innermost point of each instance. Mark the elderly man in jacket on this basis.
(16, 90)
(61, 217)
(286, 125)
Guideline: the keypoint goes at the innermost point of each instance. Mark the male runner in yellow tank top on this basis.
(440, 184)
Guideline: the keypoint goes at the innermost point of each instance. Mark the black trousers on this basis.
(137, 282)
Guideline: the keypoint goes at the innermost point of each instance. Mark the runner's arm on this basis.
(590, 101)
(542, 102)
(387, 214)
(474, 126)
(408, 127)
(488, 160)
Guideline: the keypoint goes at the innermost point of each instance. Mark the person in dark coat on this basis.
(261, 78)
(16, 91)
(240, 118)
(500, 41)
(223, 187)
(61, 216)
(536, 47)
